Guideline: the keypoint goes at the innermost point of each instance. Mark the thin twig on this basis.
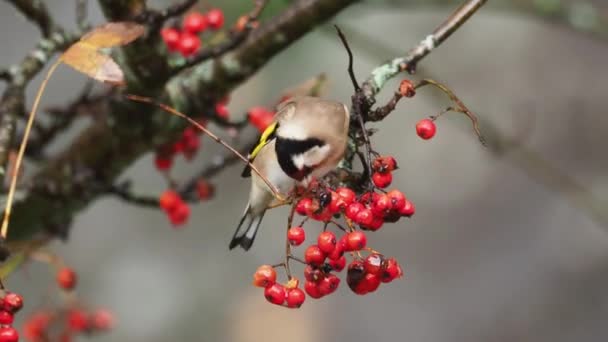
(351, 71)
(155, 19)
(28, 128)
(460, 106)
(172, 111)
(380, 75)
(81, 15)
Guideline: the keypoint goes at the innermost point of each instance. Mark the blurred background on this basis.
(509, 242)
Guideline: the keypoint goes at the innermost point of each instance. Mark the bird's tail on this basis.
(247, 229)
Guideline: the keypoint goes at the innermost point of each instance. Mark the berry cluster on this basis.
(176, 209)
(70, 322)
(74, 321)
(10, 304)
(327, 257)
(187, 41)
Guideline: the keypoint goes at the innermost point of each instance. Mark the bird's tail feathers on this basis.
(247, 229)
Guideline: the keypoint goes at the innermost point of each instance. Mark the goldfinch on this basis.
(307, 139)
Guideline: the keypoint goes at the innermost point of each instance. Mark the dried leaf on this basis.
(85, 56)
(113, 34)
(96, 65)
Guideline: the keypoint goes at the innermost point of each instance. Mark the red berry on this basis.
(407, 89)
(66, 278)
(275, 294)
(390, 270)
(329, 284)
(296, 236)
(169, 200)
(426, 129)
(189, 44)
(382, 180)
(78, 320)
(295, 298)
(195, 23)
(354, 275)
(327, 242)
(381, 205)
(384, 164)
(36, 325)
(339, 264)
(376, 224)
(204, 189)
(179, 215)
(365, 217)
(102, 320)
(12, 302)
(314, 255)
(264, 276)
(163, 163)
(323, 216)
(373, 263)
(347, 195)
(356, 241)
(313, 274)
(215, 18)
(353, 209)
(260, 117)
(312, 289)
(338, 252)
(8, 334)
(369, 283)
(222, 111)
(408, 209)
(171, 37)
(6, 317)
(337, 203)
(397, 199)
(303, 206)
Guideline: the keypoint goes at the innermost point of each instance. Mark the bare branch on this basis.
(36, 11)
(81, 14)
(383, 73)
(351, 71)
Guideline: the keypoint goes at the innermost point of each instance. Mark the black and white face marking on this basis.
(297, 158)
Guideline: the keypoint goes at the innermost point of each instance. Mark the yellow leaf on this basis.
(96, 65)
(113, 34)
(85, 56)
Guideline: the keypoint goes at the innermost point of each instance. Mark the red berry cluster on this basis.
(365, 276)
(188, 144)
(383, 167)
(288, 295)
(69, 323)
(10, 304)
(187, 41)
(174, 206)
(328, 256)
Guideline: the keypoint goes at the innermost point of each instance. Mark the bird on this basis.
(306, 140)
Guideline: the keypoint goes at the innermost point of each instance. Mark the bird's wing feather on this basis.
(265, 138)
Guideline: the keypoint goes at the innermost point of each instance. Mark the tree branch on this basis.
(36, 11)
(130, 130)
(385, 72)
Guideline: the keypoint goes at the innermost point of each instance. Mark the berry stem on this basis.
(460, 106)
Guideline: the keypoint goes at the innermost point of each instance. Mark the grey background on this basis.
(491, 254)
